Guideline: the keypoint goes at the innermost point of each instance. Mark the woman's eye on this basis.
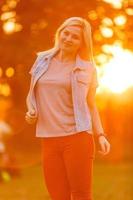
(75, 37)
(66, 33)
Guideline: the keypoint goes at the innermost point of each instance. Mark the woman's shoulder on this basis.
(41, 55)
(87, 64)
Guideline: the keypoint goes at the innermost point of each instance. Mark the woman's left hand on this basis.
(104, 144)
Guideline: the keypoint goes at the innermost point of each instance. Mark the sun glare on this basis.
(9, 72)
(107, 21)
(115, 3)
(129, 11)
(117, 74)
(106, 32)
(120, 20)
(8, 15)
(5, 89)
(10, 27)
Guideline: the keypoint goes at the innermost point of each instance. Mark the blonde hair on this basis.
(86, 50)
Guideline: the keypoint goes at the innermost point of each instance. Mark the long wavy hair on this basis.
(86, 50)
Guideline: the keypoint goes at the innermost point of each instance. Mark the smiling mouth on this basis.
(67, 44)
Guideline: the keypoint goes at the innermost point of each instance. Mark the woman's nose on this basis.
(69, 38)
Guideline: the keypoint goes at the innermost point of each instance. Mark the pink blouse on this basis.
(54, 101)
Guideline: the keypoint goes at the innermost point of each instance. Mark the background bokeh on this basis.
(28, 26)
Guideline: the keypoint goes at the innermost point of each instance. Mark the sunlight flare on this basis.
(117, 73)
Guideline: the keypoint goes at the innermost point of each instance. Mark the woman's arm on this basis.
(30, 115)
(96, 122)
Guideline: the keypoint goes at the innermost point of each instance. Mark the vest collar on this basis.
(79, 64)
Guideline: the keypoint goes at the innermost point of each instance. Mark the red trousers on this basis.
(67, 163)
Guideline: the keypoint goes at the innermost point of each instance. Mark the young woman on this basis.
(61, 100)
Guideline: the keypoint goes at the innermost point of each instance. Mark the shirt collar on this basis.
(79, 64)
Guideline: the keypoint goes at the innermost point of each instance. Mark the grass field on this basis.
(111, 182)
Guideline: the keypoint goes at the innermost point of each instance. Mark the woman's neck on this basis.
(65, 56)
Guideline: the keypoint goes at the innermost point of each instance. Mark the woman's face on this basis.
(70, 39)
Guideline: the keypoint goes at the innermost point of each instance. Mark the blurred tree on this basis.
(29, 26)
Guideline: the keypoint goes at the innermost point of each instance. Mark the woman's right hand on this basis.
(30, 117)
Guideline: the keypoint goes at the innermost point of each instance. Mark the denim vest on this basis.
(81, 79)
